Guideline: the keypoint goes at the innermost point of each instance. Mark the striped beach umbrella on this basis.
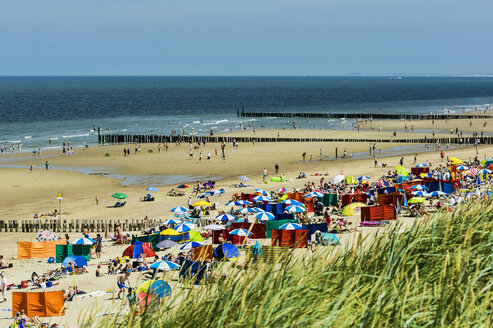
(315, 194)
(83, 241)
(484, 171)
(261, 199)
(291, 226)
(363, 178)
(261, 191)
(46, 235)
(191, 245)
(224, 217)
(182, 228)
(164, 265)
(171, 221)
(247, 210)
(245, 202)
(240, 232)
(463, 167)
(265, 216)
(292, 202)
(295, 209)
(422, 165)
(420, 193)
(233, 203)
(179, 209)
(418, 187)
(436, 193)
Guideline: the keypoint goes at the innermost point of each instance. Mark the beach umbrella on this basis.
(201, 203)
(119, 195)
(416, 200)
(138, 248)
(171, 221)
(224, 217)
(436, 193)
(292, 202)
(363, 178)
(164, 265)
(240, 232)
(351, 180)
(79, 261)
(213, 227)
(46, 235)
(425, 175)
(422, 165)
(182, 228)
(152, 189)
(166, 244)
(418, 187)
(261, 199)
(227, 250)
(282, 189)
(291, 226)
(151, 290)
(245, 202)
(169, 232)
(179, 209)
(191, 245)
(462, 168)
(189, 224)
(83, 241)
(234, 203)
(183, 186)
(314, 194)
(455, 160)
(420, 193)
(244, 178)
(483, 171)
(247, 210)
(352, 209)
(338, 179)
(214, 192)
(261, 191)
(265, 216)
(295, 209)
(402, 170)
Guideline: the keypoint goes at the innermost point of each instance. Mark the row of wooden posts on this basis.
(69, 226)
(153, 138)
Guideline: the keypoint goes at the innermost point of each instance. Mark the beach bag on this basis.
(51, 260)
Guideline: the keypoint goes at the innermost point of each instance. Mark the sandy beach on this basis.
(26, 193)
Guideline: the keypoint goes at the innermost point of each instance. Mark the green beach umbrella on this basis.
(416, 200)
(119, 195)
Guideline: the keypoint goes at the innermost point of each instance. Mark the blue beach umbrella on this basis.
(437, 193)
(164, 265)
(291, 226)
(79, 261)
(233, 204)
(171, 221)
(227, 250)
(265, 216)
(247, 210)
(152, 189)
(295, 209)
(262, 191)
(363, 178)
(224, 217)
(419, 187)
(420, 193)
(191, 245)
(182, 228)
(83, 241)
(315, 194)
(292, 202)
(422, 165)
(261, 199)
(463, 167)
(240, 232)
(179, 209)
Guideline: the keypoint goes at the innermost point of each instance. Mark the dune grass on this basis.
(439, 273)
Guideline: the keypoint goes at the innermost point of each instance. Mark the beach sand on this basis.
(25, 193)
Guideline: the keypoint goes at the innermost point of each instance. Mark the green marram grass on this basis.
(439, 273)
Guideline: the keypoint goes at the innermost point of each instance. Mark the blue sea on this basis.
(33, 109)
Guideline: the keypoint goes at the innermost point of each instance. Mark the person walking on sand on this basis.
(265, 175)
(120, 282)
(200, 157)
(3, 286)
(276, 167)
(47, 166)
(208, 156)
(99, 245)
(97, 200)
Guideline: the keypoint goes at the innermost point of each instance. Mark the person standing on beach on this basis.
(200, 157)
(120, 282)
(3, 286)
(97, 200)
(264, 175)
(276, 167)
(99, 245)
(208, 156)
(47, 166)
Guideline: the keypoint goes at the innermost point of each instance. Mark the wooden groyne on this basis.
(365, 116)
(68, 226)
(152, 138)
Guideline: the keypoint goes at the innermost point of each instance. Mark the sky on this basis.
(254, 37)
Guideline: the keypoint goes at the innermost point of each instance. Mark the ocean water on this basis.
(32, 109)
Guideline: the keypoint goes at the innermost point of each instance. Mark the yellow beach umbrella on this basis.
(352, 209)
(455, 160)
(170, 232)
(202, 203)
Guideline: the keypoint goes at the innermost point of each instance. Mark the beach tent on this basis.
(195, 236)
(138, 248)
(227, 250)
(151, 290)
(352, 209)
(79, 261)
(152, 240)
(62, 251)
(329, 239)
(41, 304)
(171, 234)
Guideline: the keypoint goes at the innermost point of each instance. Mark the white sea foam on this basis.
(28, 137)
(196, 122)
(76, 135)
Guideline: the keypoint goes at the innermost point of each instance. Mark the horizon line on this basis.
(255, 75)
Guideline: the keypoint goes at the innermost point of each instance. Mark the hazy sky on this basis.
(252, 37)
